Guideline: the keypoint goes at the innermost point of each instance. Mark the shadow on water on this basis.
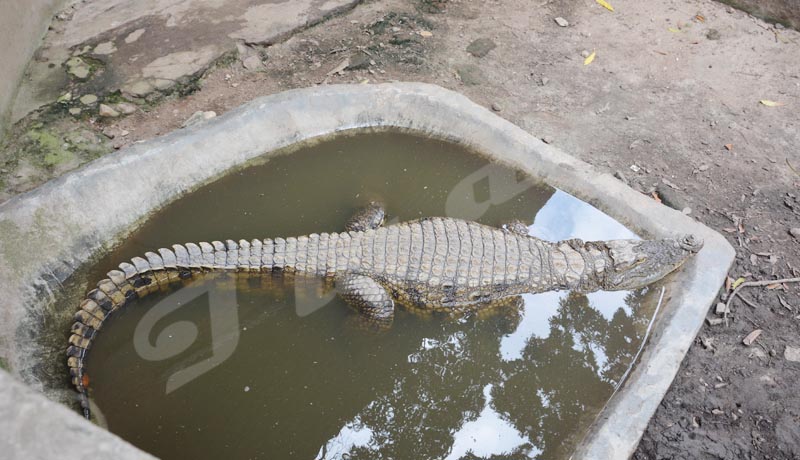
(283, 373)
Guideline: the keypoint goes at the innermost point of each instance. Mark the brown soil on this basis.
(672, 84)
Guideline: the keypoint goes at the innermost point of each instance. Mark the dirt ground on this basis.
(671, 104)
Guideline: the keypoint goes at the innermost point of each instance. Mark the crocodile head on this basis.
(639, 263)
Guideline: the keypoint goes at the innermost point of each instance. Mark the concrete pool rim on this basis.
(72, 218)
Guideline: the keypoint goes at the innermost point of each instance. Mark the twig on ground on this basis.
(754, 284)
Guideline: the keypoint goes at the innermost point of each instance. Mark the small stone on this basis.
(107, 111)
(795, 232)
(496, 107)
(79, 71)
(721, 309)
(252, 62)
(88, 99)
(139, 88)
(75, 111)
(561, 22)
(621, 177)
(198, 117)
(358, 61)
(713, 34)
(687, 210)
(126, 108)
(133, 36)
(792, 354)
(481, 47)
(714, 321)
(544, 81)
(425, 33)
(717, 411)
(66, 97)
(74, 62)
(163, 83)
(547, 140)
(105, 48)
(703, 168)
(585, 53)
(246, 389)
(470, 75)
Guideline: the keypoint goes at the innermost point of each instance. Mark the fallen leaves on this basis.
(674, 30)
(752, 337)
(769, 103)
(590, 57)
(737, 283)
(605, 5)
(700, 17)
(729, 147)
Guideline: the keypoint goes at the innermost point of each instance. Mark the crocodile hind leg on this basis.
(369, 217)
(363, 293)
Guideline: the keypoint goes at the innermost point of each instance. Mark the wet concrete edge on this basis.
(47, 233)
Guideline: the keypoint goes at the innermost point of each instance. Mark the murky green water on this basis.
(241, 367)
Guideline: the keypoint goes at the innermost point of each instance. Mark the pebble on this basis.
(126, 107)
(246, 389)
(107, 111)
(544, 81)
(547, 140)
(795, 232)
(105, 48)
(75, 111)
(252, 62)
(496, 107)
(792, 354)
(79, 71)
(199, 117)
(481, 47)
(561, 22)
(585, 53)
(721, 309)
(133, 36)
(88, 99)
(714, 321)
(358, 61)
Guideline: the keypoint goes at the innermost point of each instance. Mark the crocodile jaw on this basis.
(639, 263)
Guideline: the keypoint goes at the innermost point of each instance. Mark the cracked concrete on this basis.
(139, 46)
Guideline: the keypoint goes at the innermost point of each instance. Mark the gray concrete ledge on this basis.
(47, 233)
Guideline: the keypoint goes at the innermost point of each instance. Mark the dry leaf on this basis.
(700, 17)
(656, 197)
(674, 30)
(737, 283)
(426, 33)
(774, 286)
(729, 146)
(751, 337)
(769, 103)
(589, 58)
(339, 68)
(605, 5)
(728, 283)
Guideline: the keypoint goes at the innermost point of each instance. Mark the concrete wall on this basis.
(787, 12)
(23, 23)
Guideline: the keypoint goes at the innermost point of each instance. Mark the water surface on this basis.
(266, 367)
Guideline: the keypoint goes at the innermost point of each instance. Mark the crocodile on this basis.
(434, 263)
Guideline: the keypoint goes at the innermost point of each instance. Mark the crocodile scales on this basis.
(431, 263)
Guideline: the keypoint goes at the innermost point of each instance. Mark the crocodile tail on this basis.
(145, 275)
